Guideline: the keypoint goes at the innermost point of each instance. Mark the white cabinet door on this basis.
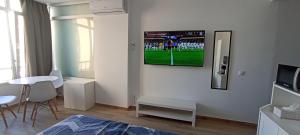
(267, 126)
(260, 124)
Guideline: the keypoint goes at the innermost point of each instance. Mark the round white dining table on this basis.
(26, 83)
(32, 80)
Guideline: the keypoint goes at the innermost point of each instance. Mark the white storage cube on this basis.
(79, 93)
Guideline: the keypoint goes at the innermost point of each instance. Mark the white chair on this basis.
(60, 81)
(4, 101)
(41, 94)
(57, 83)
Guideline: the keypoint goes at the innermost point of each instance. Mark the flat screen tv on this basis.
(174, 48)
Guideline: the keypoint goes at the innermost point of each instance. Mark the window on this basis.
(12, 60)
(85, 47)
(2, 3)
(73, 52)
(15, 5)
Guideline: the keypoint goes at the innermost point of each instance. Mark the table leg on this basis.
(27, 92)
(21, 98)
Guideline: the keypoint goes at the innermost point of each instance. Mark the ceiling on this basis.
(56, 1)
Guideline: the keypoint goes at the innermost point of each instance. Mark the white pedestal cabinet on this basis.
(269, 123)
(79, 93)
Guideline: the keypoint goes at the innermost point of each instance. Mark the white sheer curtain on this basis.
(12, 62)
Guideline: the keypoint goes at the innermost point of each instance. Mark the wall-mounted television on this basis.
(174, 48)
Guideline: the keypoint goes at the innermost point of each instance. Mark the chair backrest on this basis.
(42, 91)
(60, 81)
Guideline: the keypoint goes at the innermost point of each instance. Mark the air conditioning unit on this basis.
(108, 6)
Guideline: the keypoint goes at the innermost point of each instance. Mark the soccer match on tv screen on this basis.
(174, 48)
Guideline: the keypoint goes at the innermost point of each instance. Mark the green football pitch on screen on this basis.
(174, 57)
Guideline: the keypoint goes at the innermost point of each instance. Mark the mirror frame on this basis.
(213, 61)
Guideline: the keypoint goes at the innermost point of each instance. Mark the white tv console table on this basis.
(269, 123)
(184, 110)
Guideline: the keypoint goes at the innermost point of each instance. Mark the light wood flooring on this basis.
(46, 119)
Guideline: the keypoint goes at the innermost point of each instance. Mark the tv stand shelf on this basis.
(184, 110)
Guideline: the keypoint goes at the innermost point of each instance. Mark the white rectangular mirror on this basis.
(221, 60)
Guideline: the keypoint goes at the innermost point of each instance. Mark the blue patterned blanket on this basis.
(85, 125)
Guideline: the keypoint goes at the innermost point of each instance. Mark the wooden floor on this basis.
(46, 119)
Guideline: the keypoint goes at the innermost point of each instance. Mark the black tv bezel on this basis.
(177, 31)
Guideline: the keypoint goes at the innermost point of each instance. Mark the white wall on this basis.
(288, 45)
(254, 30)
(111, 59)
